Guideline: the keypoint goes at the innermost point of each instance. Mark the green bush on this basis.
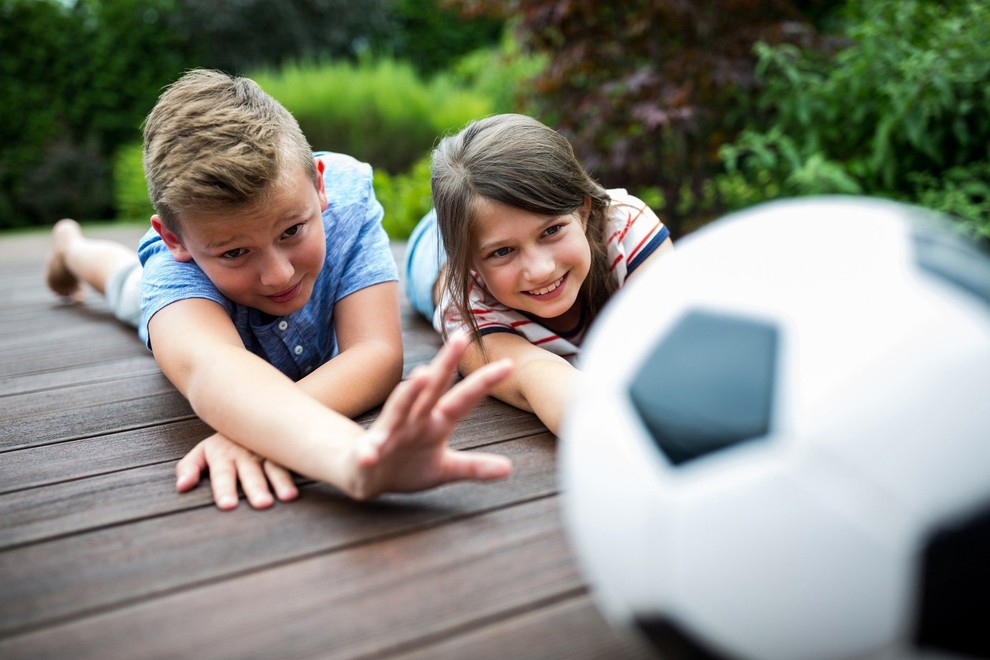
(901, 112)
(129, 186)
(405, 197)
(378, 111)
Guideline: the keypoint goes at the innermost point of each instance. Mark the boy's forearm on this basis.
(356, 380)
(250, 402)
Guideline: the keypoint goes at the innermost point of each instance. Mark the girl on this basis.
(533, 249)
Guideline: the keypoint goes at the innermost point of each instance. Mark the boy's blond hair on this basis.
(215, 142)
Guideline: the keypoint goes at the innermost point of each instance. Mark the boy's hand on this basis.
(406, 447)
(229, 462)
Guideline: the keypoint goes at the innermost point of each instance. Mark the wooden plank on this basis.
(33, 469)
(71, 576)
(162, 405)
(84, 457)
(89, 395)
(117, 497)
(571, 628)
(363, 601)
(89, 374)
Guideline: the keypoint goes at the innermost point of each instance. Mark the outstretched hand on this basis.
(406, 448)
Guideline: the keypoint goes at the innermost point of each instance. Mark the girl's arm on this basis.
(253, 404)
(540, 381)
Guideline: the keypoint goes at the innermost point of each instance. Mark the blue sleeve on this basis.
(358, 248)
(165, 281)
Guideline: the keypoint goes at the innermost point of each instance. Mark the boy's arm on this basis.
(243, 397)
(253, 404)
(369, 362)
(540, 380)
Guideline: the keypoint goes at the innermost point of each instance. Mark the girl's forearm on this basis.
(545, 386)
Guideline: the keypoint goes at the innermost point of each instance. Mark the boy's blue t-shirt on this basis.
(358, 256)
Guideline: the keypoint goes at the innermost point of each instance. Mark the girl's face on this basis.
(532, 263)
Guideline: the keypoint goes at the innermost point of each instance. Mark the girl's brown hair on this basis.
(517, 161)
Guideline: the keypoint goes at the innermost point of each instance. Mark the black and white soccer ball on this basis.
(780, 444)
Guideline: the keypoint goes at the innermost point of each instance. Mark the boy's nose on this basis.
(276, 270)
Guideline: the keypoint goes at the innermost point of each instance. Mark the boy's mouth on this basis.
(287, 295)
(548, 289)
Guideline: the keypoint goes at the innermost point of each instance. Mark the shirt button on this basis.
(282, 325)
(297, 350)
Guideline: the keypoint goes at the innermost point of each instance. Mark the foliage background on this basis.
(699, 108)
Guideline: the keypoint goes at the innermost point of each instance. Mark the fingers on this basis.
(229, 463)
(476, 466)
(396, 410)
(281, 481)
(441, 371)
(223, 484)
(253, 481)
(463, 397)
(190, 468)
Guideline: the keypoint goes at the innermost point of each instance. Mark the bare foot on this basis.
(57, 274)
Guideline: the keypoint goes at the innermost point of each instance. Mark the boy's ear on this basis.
(321, 190)
(171, 240)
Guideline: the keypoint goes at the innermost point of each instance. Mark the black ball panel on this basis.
(954, 613)
(708, 385)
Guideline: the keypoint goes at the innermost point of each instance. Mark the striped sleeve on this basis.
(635, 232)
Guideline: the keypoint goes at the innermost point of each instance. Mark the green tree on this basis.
(76, 79)
(900, 112)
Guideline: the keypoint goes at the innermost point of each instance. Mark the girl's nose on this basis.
(539, 266)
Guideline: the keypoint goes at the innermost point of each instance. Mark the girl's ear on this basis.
(171, 240)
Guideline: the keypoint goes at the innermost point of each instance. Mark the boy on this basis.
(268, 296)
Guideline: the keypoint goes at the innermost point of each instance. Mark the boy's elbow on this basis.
(389, 359)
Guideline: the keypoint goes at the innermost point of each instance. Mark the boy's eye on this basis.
(292, 231)
(232, 254)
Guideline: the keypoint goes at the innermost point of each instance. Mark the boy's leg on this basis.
(424, 259)
(109, 267)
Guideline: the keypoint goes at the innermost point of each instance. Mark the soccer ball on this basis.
(780, 444)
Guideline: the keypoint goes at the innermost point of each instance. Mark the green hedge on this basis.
(378, 111)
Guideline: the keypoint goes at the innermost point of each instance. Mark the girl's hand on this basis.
(229, 462)
(405, 449)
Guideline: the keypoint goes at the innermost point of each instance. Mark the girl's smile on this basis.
(551, 291)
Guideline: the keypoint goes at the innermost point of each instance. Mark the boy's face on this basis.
(267, 256)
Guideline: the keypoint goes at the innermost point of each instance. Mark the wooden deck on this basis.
(100, 558)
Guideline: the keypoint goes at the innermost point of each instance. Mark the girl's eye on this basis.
(232, 254)
(292, 231)
(550, 231)
(501, 252)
